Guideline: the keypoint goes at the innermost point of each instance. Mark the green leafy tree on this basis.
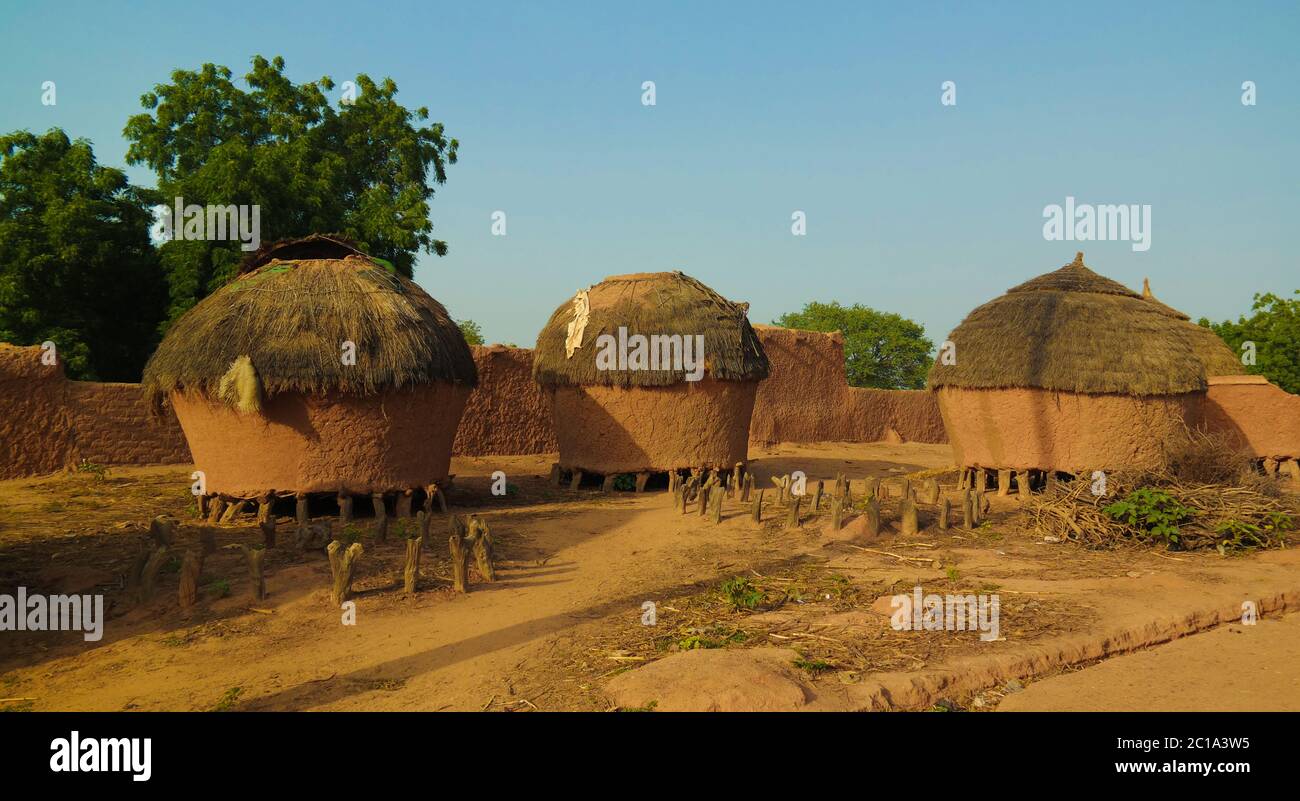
(1274, 327)
(364, 169)
(76, 264)
(473, 334)
(881, 349)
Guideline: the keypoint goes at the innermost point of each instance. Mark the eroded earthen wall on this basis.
(507, 413)
(1260, 418)
(807, 397)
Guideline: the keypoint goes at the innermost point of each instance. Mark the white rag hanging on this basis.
(581, 311)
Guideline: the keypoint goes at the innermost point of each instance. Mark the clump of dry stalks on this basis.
(1231, 505)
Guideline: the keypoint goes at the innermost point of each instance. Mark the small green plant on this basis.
(740, 593)
(953, 573)
(88, 467)
(227, 700)
(1154, 513)
(813, 666)
(218, 589)
(625, 481)
(349, 535)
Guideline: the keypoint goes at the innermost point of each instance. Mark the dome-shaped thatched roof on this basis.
(1208, 346)
(288, 313)
(1073, 330)
(649, 304)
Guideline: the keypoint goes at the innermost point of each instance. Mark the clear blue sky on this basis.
(763, 109)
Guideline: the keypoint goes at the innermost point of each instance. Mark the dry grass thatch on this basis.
(290, 318)
(1073, 330)
(1213, 352)
(651, 304)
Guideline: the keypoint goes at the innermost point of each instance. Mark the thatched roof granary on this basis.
(1073, 372)
(655, 415)
(315, 369)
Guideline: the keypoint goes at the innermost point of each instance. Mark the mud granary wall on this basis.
(48, 423)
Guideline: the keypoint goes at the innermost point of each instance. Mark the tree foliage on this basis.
(364, 169)
(473, 333)
(76, 264)
(881, 349)
(1274, 327)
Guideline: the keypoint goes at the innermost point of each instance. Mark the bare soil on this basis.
(562, 627)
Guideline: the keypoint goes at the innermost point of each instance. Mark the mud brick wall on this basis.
(113, 426)
(508, 413)
(48, 423)
(806, 398)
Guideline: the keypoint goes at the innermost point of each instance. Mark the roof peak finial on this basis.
(1078, 258)
(1146, 288)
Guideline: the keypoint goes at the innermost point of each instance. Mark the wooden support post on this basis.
(201, 505)
(300, 509)
(314, 536)
(932, 490)
(575, 480)
(234, 510)
(345, 509)
(945, 514)
(703, 499)
(817, 497)
(267, 527)
(257, 581)
(747, 490)
(715, 504)
(216, 507)
(265, 507)
(1270, 466)
(737, 478)
(1004, 483)
(191, 568)
(208, 540)
(381, 517)
(756, 507)
(968, 509)
(459, 557)
(872, 516)
(1049, 481)
(422, 521)
(962, 477)
(404, 501)
(607, 485)
(557, 475)
(792, 515)
(1292, 468)
(411, 571)
(907, 489)
(162, 531)
(837, 512)
(483, 548)
(871, 487)
(907, 517)
(977, 506)
(343, 563)
(641, 480)
(1024, 481)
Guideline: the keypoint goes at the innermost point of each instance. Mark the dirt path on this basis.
(1232, 668)
(501, 646)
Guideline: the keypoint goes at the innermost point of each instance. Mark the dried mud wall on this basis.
(806, 398)
(48, 423)
(1260, 418)
(507, 413)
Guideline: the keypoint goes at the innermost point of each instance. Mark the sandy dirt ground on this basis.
(1231, 668)
(563, 626)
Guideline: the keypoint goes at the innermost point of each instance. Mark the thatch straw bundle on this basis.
(650, 304)
(1073, 330)
(1213, 352)
(281, 324)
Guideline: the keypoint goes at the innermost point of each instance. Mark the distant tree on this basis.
(76, 264)
(363, 169)
(881, 349)
(473, 334)
(1274, 327)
